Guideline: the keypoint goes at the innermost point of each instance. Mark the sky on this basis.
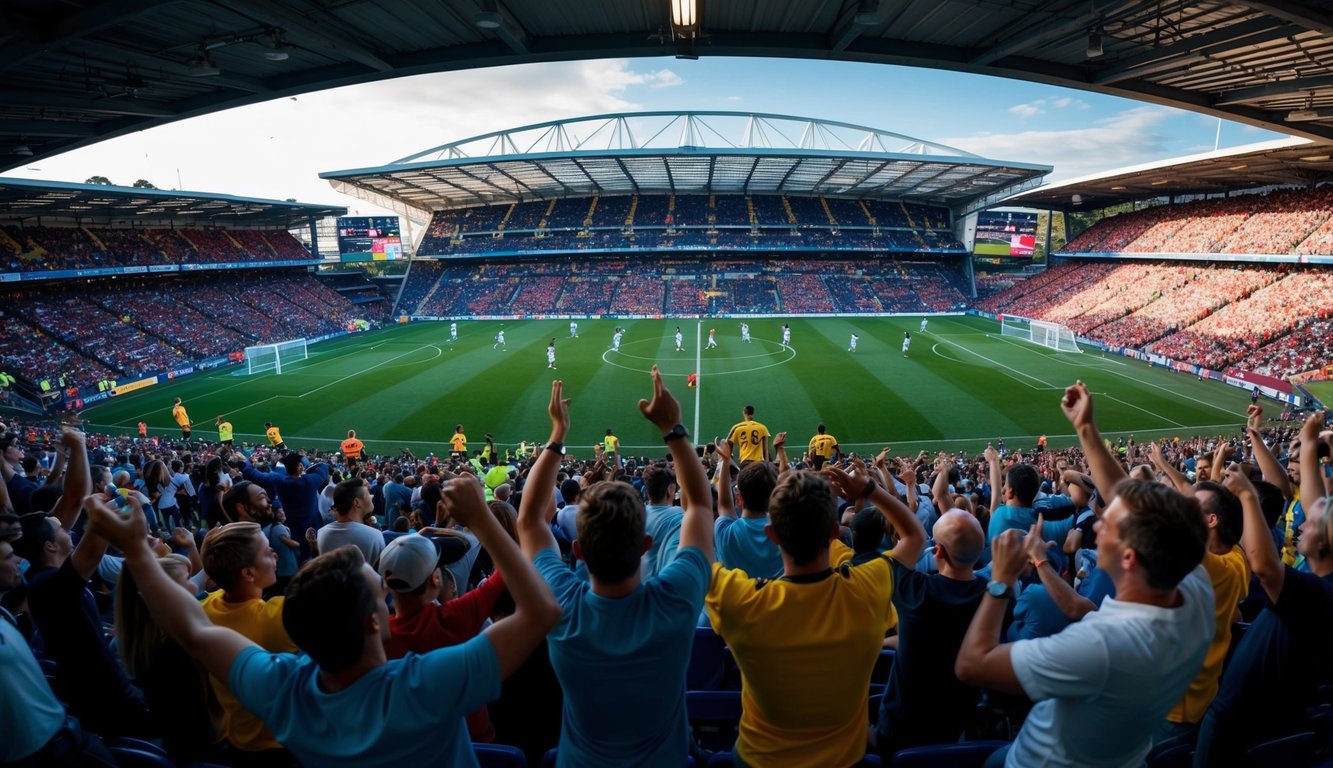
(277, 149)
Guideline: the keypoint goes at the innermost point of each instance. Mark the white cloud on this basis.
(1132, 136)
(278, 148)
(1040, 106)
(734, 98)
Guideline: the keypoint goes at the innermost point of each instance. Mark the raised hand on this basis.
(779, 441)
(722, 447)
(559, 408)
(1033, 544)
(1314, 423)
(124, 530)
(181, 538)
(663, 411)
(1237, 480)
(849, 485)
(463, 500)
(1254, 417)
(1077, 405)
(990, 453)
(1008, 556)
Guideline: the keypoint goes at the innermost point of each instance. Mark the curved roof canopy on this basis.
(79, 71)
(29, 200)
(686, 153)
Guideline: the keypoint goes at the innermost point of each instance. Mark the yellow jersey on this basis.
(611, 444)
(822, 445)
(274, 436)
(178, 413)
(459, 442)
(1230, 574)
(749, 437)
(261, 622)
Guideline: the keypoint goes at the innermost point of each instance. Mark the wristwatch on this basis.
(676, 433)
(557, 447)
(1000, 589)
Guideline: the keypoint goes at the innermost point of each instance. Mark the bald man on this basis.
(924, 702)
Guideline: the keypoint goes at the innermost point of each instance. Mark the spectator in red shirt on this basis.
(413, 567)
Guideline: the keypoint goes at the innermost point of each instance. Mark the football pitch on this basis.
(961, 386)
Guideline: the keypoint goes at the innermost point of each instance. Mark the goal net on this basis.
(1053, 335)
(272, 357)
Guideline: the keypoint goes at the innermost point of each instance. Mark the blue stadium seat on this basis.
(875, 700)
(48, 667)
(877, 688)
(725, 760)
(499, 756)
(1173, 756)
(143, 745)
(138, 758)
(1292, 751)
(714, 717)
(968, 754)
(548, 761)
(880, 674)
(707, 661)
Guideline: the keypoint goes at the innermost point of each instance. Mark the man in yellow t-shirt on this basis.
(750, 438)
(459, 442)
(1229, 572)
(805, 640)
(822, 446)
(182, 418)
(225, 431)
(274, 436)
(611, 447)
(238, 558)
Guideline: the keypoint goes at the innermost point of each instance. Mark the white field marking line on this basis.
(1144, 382)
(999, 365)
(438, 353)
(1056, 357)
(1109, 396)
(698, 366)
(368, 370)
(683, 375)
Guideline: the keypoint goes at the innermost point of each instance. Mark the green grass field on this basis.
(963, 385)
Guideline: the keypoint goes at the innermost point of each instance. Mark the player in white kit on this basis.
(712, 338)
(550, 355)
(924, 322)
(573, 330)
(615, 339)
(786, 335)
(907, 342)
(453, 332)
(499, 341)
(852, 346)
(680, 340)
(745, 332)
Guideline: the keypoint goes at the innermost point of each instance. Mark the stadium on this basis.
(790, 278)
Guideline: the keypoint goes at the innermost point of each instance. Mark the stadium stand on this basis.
(34, 249)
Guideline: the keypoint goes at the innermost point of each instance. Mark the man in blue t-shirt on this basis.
(662, 519)
(741, 541)
(405, 712)
(622, 646)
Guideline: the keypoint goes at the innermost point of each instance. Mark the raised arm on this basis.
(1070, 603)
(1178, 480)
(78, 480)
(174, 609)
(1263, 455)
(534, 532)
(181, 538)
(535, 609)
(696, 528)
(1312, 475)
(726, 505)
(983, 660)
(1106, 469)
(780, 453)
(1256, 538)
(996, 476)
(939, 490)
(57, 469)
(858, 484)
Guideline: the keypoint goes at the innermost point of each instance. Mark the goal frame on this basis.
(293, 350)
(1043, 333)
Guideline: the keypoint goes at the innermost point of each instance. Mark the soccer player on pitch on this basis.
(615, 339)
(453, 332)
(907, 342)
(852, 346)
(712, 338)
(786, 335)
(680, 340)
(550, 354)
(499, 341)
(182, 418)
(745, 333)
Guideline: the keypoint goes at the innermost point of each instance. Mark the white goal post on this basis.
(1053, 335)
(272, 357)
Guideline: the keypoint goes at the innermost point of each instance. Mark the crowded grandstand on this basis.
(274, 496)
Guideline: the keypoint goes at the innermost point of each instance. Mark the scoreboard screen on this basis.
(1006, 233)
(369, 238)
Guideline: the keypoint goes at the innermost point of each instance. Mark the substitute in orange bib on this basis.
(352, 448)
(182, 418)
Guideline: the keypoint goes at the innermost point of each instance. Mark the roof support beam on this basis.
(48, 100)
(459, 187)
(70, 28)
(1288, 88)
(623, 169)
(1296, 13)
(318, 34)
(1194, 48)
(54, 128)
(1055, 29)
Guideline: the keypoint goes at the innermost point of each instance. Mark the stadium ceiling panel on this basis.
(27, 200)
(686, 153)
(1281, 163)
(80, 71)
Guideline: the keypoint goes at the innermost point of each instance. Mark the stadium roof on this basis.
(24, 199)
(1285, 162)
(80, 71)
(687, 153)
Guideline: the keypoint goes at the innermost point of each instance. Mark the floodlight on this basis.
(684, 15)
(1095, 44)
